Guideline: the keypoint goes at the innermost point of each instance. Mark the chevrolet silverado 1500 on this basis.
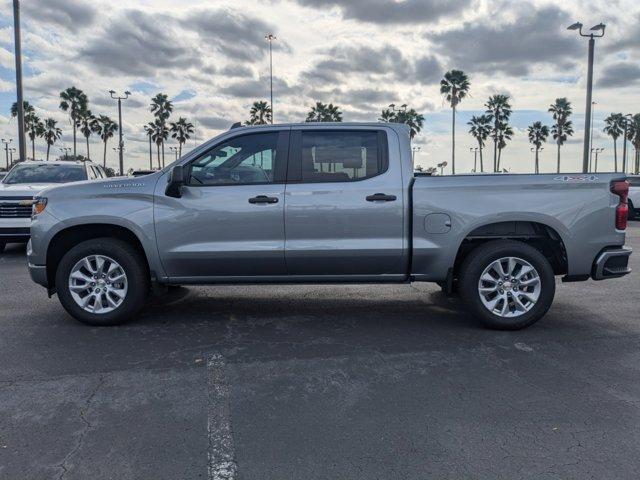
(326, 203)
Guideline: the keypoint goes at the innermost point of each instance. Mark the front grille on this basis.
(14, 210)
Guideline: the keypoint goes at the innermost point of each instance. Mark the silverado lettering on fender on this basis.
(325, 203)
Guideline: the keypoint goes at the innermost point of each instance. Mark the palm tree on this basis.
(51, 133)
(538, 134)
(85, 123)
(480, 129)
(35, 128)
(149, 128)
(505, 132)
(260, 113)
(563, 128)
(410, 117)
(106, 129)
(614, 128)
(455, 86)
(73, 101)
(159, 135)
(161, 108)
(322, 112)
(27, 107)
(181, 131)
(30, 121)
(633, 135)
(499, 112)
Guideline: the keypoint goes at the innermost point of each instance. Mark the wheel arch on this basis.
(71, 236)
(542, 236)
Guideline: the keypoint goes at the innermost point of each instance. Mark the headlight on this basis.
(39, 204)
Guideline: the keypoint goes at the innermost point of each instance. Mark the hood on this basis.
(22, 189)
(104, 187)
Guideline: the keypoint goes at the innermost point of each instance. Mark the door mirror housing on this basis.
(175, 182)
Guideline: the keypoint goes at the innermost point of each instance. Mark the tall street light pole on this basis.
(596, 151)
(413, 151)
(587, 126)
(593, 104)
(6, 150)
(18, 54)
(120, 143)
(270, 38)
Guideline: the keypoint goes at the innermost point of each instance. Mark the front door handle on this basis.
(263, 199)
(380, 197)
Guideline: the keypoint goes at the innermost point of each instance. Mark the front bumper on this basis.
(17, 234)
(611, 263)
(38, 274)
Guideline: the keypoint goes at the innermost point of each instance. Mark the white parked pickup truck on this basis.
(24, 181)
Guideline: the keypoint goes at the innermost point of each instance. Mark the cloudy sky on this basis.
(212, 60)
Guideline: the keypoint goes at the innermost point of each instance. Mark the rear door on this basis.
(229, 221)
(344, 204)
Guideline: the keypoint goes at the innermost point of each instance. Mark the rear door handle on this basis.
(263, 199)
(380, 197)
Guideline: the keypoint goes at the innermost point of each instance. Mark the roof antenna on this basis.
(236, 125)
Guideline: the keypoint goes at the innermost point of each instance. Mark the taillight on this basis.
(621, 188)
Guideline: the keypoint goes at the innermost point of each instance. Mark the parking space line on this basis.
(221, 463)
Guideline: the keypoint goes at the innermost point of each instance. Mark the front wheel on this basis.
(2, 246)
(507, 284)
(102, 282)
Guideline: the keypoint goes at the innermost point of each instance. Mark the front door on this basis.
(229, 221)
(344, 207)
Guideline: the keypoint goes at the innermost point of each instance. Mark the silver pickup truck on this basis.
(326, 203)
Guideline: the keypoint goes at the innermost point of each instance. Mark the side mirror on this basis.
(175, 182)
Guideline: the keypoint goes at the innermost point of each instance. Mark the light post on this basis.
(475, 157)
(20, 100)
(587, 117)
(6, 149)
(627, 119)
(119, 150)
(120, 143)
(596, 151)
(65, 151)
(174, 150)
(413, 153)
(593, 104)
(441, 167)
(270, 38)
(11, 150)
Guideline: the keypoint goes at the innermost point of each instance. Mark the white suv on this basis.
(24, 181)
(634, 196)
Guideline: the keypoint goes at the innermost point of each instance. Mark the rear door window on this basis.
(337, 156)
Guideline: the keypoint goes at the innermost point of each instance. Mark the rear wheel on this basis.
(507, 284)
(102, 282)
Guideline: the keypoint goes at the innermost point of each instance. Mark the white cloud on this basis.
(360, 55)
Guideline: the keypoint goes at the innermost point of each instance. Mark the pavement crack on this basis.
(64, 465)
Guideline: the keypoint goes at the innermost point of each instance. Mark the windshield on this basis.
(45, 174)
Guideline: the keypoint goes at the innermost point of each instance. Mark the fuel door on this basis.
(437, 223)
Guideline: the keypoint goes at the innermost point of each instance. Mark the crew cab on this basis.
(24, 181)
(326, 203)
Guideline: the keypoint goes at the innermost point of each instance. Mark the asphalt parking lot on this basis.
(320, 382)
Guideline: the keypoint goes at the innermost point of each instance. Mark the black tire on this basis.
(133, 265)
(480, 258)
(2, 246)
